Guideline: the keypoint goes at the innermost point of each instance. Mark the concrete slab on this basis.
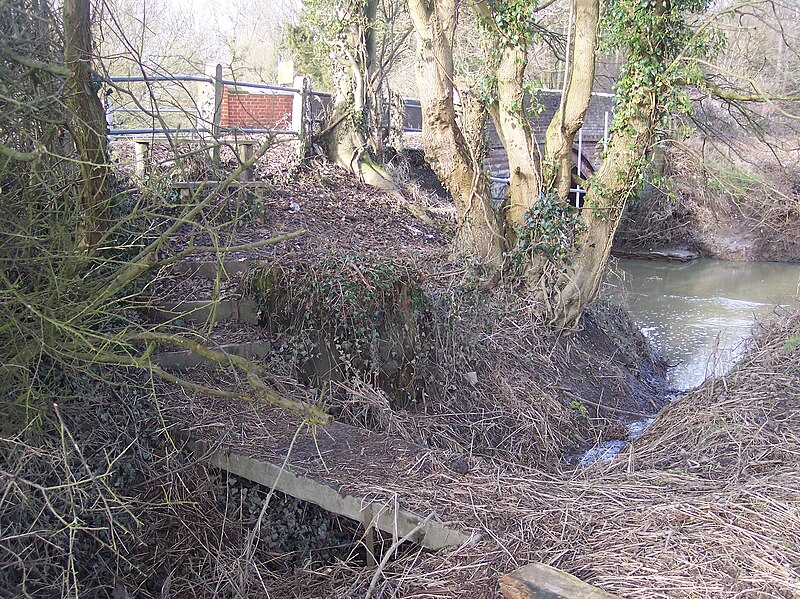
(200, 311)
(184, 360)
(384, 515)
(208, 270)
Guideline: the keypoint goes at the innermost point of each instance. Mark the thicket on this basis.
(89, 472)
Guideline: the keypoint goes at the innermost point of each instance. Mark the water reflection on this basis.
(698, 314)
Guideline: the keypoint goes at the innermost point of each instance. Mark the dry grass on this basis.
(704, 505)
(737, 201)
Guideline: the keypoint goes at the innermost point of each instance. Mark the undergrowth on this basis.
(341, 317)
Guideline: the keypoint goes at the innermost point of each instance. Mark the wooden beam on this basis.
(540, 581)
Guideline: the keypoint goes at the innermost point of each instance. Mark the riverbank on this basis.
(704, 504)
(368, 315)
(743, 207)
(364, 314)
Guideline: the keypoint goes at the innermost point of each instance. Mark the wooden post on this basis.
(299, 106)
(141, 158)
(219, 90)
(369, 537)
(244, 150)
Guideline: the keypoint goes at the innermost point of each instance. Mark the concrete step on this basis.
(385, 515)
(184, 360)
(208, 269)
(200, 311)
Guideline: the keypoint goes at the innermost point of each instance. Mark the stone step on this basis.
(208, 269)
(184, 360)
(200, 311)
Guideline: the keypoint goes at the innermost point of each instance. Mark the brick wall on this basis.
(255, 111)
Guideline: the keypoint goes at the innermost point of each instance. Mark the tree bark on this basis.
(605, 200)
(479, 232)
(513, 122)
(88, 124)
(353, 136)
(575, 102)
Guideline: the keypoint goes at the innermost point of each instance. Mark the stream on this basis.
(698, 315)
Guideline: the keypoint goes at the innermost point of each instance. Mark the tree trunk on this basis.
(353, 135)
(347, 141)
(446, 149)
(605, 200)
(575, 101)
(511, 119)
(88, 124)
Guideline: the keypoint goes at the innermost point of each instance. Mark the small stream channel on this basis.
(698, 315)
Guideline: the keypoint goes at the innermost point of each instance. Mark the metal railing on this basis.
(201, 109)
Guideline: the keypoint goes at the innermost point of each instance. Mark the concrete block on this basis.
(432, 535)
(195, 311)
(184, 360)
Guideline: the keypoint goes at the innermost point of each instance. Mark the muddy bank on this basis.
(721, 207)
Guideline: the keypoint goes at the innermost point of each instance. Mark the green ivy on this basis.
(551, 228)
(513, 19)
(360, 313)
(662, 49)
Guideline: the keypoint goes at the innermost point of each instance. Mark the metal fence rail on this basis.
(157, 110)
(307, 105)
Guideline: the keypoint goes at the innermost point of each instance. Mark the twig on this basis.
(388, 555)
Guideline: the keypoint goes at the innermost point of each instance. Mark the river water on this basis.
(699, 314)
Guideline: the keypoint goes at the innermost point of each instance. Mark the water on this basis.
(699, 314)
(608, 450)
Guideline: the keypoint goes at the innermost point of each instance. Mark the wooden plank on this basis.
(385, 515)
(540, 581)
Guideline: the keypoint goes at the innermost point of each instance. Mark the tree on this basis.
(88, 122)
(362, 42)
(479, 231)
(563, 253)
